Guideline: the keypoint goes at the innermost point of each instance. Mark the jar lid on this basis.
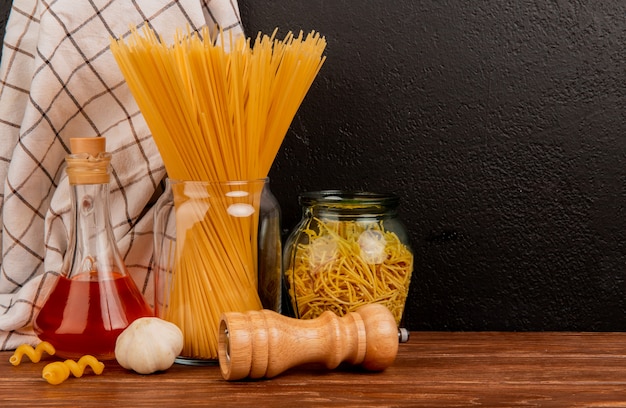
(342, 199)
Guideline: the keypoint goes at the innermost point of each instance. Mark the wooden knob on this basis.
(263, 343)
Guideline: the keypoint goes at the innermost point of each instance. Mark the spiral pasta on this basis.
(34, 354)
(59, 371)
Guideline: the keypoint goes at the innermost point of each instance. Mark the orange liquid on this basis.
(84, 316)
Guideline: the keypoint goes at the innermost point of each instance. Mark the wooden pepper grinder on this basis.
(263, 343)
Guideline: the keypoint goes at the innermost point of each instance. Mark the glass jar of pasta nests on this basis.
(349, 249)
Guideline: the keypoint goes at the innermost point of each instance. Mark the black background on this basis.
(501, 125)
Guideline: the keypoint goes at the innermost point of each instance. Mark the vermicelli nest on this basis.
(344, 265)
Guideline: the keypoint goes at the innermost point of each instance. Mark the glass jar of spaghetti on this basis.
(349, 249)
(216, 249)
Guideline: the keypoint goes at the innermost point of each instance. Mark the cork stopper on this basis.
(89, 161)
(90, 145)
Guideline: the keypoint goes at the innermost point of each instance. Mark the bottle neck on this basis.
(90, 206)
(92, 253)
(92, 247)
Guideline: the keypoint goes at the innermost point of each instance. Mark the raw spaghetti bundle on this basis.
(219, 115)
(216, 116)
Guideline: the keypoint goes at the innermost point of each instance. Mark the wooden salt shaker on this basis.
(263, 343)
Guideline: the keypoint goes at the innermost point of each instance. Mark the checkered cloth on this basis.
(58, 80)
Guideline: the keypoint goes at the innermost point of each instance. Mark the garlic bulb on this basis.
(148, 345)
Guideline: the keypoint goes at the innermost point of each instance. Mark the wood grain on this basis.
(432, 369)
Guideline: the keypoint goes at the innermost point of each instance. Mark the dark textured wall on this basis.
(501, 125)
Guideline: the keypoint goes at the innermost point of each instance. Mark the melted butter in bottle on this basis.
(94, 299)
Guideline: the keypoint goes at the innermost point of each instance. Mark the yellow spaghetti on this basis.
(219, 115)
(334, 269)
(216, 115)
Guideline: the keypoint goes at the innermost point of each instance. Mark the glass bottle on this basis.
(94, 298)
(349, 249)
(217, 249)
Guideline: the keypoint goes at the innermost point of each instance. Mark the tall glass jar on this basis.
(270, 251)
(217, 249)
(349, 249)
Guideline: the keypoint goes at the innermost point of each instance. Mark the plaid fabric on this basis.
(58, 80)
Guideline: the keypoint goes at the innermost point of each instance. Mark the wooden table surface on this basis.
(432, 369)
